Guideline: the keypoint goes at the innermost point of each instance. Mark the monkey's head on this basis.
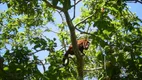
(86, 44)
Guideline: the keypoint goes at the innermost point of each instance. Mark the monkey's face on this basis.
(86, 45)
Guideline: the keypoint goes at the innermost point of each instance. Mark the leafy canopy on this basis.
(114, 31)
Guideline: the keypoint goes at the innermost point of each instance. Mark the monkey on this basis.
(82, 44)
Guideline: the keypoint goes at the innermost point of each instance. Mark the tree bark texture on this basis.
(75, 47)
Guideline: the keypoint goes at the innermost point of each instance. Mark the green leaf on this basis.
(18, 69)
(106, 32)
(62, 69)
(6, 68)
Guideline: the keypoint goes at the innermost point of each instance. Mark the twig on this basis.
(63, 41)
(42, 65)
(84, 20)
(76, 3)
(139, 1)
(134, 1)
(52, 31)
(61, 15)
(83, 32)
(74, 10)
(32, 53)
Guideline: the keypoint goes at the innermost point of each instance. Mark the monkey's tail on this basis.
(65, 59)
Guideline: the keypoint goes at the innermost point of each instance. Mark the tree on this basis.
(113, 30)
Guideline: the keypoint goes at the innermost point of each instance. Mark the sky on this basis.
(134, 7)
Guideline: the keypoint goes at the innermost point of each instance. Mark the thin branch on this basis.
(51, 31)
(84, 20)
(61, 16)
(76, 3)
(63, 40)
(83, 32)
(140, 2)
(32, 53)
(133, 1)
(50, 5)
(40, 61)
(74, 10)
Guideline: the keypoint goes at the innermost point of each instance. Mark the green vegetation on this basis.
(114, 33)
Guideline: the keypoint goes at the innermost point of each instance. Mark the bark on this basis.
(73, 39)
(75, 48)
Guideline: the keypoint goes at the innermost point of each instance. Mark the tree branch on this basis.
(83, 32)
(74, 10)
(61, 16)
(76, 3)
(40, 61)
(139, 1)
(51, 30)
(84, 20)
(32, 53)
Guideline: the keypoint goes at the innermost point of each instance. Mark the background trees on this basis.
(27, 26)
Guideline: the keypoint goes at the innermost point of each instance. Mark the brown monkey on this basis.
(82, 44)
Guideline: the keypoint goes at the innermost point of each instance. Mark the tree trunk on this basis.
(75, 48)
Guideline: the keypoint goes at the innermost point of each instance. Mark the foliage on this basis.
(114, 31)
